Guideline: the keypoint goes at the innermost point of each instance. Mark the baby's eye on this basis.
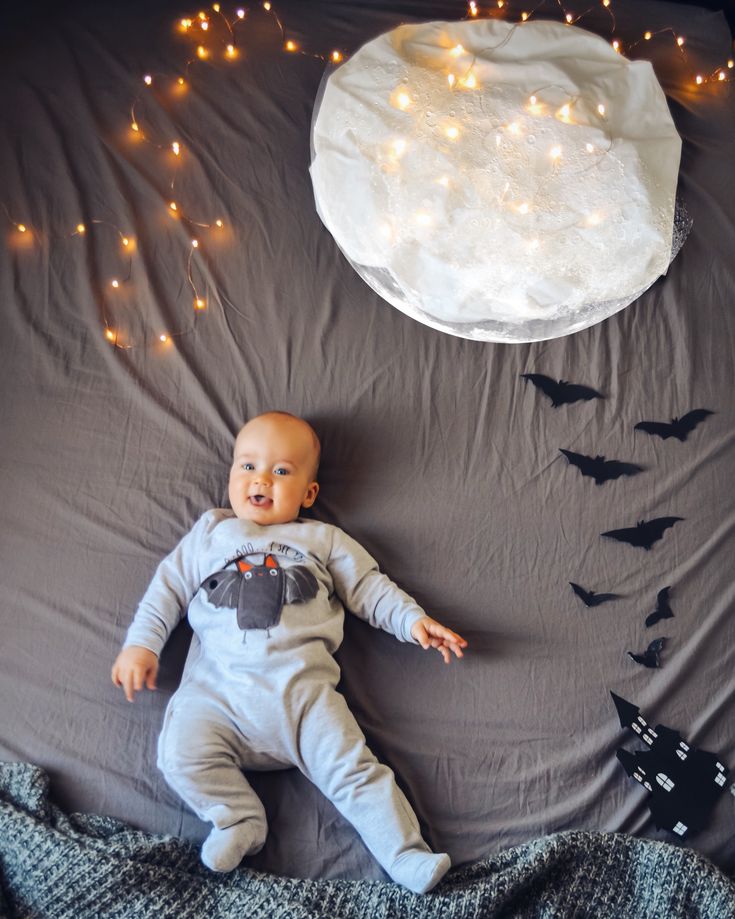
(248, 467)
(280, 470)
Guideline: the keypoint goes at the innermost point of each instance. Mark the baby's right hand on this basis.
(134, 667)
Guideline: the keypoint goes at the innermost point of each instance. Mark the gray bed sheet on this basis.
(438, 456)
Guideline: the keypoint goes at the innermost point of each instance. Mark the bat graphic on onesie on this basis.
(259, 592)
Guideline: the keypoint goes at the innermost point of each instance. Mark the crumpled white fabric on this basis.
(478, 212)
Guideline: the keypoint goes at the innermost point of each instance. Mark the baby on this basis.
(264, 590)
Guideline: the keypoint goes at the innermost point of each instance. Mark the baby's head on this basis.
(274, 466)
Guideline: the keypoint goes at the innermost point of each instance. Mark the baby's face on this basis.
(272, 475)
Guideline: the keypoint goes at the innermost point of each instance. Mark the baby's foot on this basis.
(420, 870)
(223, 850)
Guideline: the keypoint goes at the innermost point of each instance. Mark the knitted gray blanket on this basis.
(78, 866)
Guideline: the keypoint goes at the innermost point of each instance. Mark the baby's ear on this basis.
(310, 497)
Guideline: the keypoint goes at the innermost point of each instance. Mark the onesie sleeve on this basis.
(367, 592)
(174, 584)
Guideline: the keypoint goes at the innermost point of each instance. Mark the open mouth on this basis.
(260, 501)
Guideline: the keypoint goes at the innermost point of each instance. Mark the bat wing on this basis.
(663, 610)
(603, 598)
(688, 422)
(630, 535)
(584, 463)
(547, 386)
(657, 427)
(585, 597)
(223, 588)
(650, 657)
(301, 585)
(613, 469)
(574, 392)
(655, 529)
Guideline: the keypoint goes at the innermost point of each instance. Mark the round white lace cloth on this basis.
(508, 182)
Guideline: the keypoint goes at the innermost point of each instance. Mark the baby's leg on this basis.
(331, 751)
(200, 752)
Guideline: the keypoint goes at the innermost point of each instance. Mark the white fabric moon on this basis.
(507, 182)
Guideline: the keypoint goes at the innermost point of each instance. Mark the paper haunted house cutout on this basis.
(683, 782)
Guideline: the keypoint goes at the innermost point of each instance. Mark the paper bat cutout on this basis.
(678, 428)
(651, 657)
(645, 533)
(684, 783)
(562, 391)
(598, 468)
(259, 592)
(590, 598)
(663, 610)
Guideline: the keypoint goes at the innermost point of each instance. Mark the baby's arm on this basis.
(164, 604)
(371, 595)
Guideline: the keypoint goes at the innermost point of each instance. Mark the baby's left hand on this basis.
(432, 634)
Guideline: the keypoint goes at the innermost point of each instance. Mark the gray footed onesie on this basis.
(258, 688)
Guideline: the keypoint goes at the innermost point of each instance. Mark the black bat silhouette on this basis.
(562, 391)
(259, 592)
(678, 428)
(651, 656)
(589, 597)
(663, 610)
(645, 533)
(598, 468)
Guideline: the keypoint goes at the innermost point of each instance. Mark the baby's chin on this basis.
(264, 515)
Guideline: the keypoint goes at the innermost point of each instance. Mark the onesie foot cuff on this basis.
(223, 850)
(420, 871)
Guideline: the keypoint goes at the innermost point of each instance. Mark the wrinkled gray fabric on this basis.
(437, 455)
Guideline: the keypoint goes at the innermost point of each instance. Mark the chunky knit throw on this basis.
(80, 866)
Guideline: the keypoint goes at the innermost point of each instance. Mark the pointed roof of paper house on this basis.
(627, 712)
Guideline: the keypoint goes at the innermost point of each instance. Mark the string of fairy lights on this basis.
(217, 38)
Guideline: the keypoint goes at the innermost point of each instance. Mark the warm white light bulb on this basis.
(22, 227)
(601, 109)
(204, 25)
(403, 100)
(172, 205)
(523, 208)
(589, 148)
(456, 50)
(241, 14)
(569, 17)
(219, 223)
(451, 79)
(163, 338)
(147, 79)
(398, 147)
(195, 243)
(175, 147)
(266, 5)
(470, 82)
(115, 283)
(336, 56)
(452, 133)
(125, 241)
(680, 41)
(555, 153)
(647, 36)
(81, 228)
(700, 79)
